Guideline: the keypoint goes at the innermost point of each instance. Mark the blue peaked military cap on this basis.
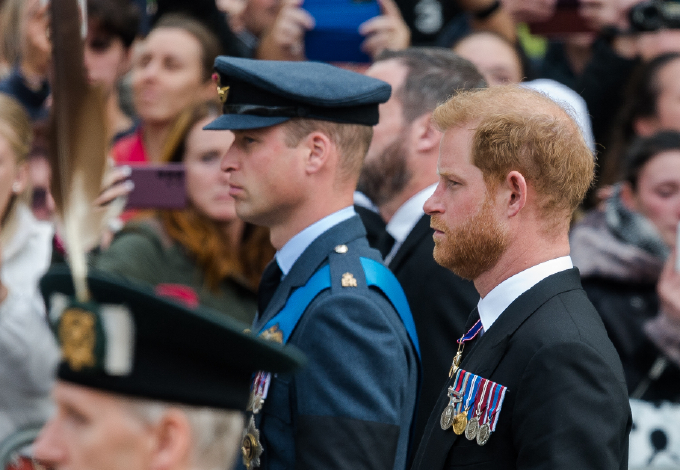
(262, 93)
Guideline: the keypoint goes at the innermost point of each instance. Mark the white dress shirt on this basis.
(406, 217)
(293, 249)
(494, 304)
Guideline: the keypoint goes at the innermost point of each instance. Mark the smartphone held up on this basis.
(157, 187)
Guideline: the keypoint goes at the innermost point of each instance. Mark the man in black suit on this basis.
(512, 168)
(399, 174)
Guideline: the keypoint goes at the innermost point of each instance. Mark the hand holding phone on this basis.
(387, 31)
(336, 36)
(284, 41)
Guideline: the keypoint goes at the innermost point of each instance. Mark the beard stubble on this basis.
(385, 176)
(474, 247)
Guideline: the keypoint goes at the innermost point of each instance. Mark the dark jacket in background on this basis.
(33, 101)
(620, 279)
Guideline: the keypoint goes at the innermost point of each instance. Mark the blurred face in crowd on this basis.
(13, 175)
(266, 176)
(33, 31)
(469, 239)
(495, 59)
(259, 15)
(166, 75)
(385, 171)
(668, 102)
(207, 184)
(657, 195)
(601, 13)
(92, 430)
(106, 58)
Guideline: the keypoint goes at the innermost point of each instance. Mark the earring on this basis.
(16, 187)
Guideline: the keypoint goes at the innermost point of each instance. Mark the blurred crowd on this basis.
(615, 69)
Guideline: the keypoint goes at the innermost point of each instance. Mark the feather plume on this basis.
(78, 143)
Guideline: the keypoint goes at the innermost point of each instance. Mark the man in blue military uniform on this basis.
(302, 130)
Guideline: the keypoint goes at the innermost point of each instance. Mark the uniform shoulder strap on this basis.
(339, 273)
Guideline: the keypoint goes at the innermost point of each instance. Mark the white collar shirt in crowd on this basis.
(293, 249)
(406, 217)
(495, 302)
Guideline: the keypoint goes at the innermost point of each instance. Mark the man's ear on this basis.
(173, 441)
(427, 137)
(516, 192)
(319, 148)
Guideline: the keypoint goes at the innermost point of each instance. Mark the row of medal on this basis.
(474, 406)
(251, 446)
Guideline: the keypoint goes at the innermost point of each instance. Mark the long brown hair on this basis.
(201, 236)
(16, 128)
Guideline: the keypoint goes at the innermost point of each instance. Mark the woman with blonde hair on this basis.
(203, 253)
(28, 353)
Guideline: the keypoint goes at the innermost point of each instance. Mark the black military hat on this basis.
(128, 340)
(262, 93)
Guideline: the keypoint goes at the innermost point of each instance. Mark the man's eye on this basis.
(76, 416)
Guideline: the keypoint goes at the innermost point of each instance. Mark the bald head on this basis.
(523, 130)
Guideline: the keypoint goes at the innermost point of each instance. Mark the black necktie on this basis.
(384, 243)
(271, 278)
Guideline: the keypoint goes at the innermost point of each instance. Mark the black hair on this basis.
(118, 18)
(644, 149)
(642, 94)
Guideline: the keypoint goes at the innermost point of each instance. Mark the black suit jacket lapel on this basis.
(490, 348)
(435, 443)
(419, 231)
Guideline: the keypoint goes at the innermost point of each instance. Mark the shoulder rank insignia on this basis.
(348, 280)
(273, 334)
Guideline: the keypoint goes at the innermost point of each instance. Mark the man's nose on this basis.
(433, 203)
(228, 163)
(45, 448)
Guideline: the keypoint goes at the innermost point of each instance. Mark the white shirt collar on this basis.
(505, 293)
(293, 249)
(408, 215)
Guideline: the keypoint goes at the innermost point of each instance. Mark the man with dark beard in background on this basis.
(399, 174)
(536, 382)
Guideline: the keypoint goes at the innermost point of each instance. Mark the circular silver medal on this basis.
(446, 420)
(483, 434)
(471, 429)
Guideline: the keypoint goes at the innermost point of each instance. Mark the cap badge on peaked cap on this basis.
(222, 91)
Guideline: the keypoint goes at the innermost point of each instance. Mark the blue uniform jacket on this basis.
(352, 406)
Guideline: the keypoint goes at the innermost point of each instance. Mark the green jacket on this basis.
(142, 251)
